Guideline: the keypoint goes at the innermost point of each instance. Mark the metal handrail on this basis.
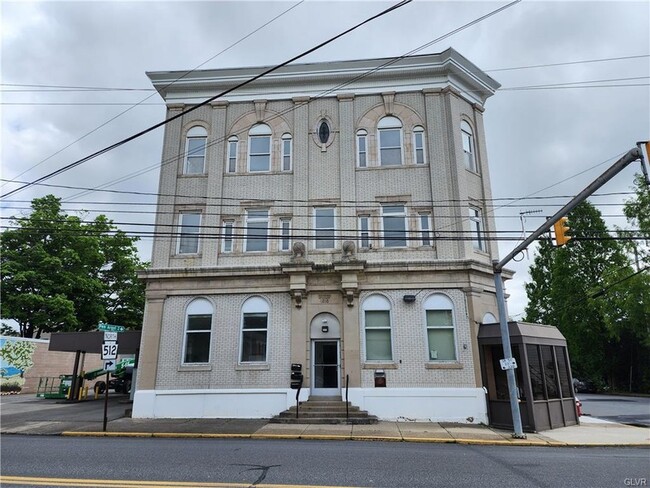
(347, 410)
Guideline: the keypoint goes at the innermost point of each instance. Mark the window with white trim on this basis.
(259, 148)
(285, 234)
(198, 329)
(364, 231)
(257, 230)
(377, 328)
(286, 152)
(418, 145)
(390, 141)
(476, 225)
(441, 340)
(254, 330)
(394, 225)
(233, 144)
(469, 150)
(189, 230)
(362, 148)
(324, 228)
(424, 221)
(195, 145)
(227, 242)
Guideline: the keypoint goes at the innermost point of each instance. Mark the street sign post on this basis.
(111, 327)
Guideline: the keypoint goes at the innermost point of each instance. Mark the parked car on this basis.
(584, 386)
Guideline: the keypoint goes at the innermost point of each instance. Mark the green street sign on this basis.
(111, 327)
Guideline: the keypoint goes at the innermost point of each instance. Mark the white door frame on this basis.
(325, 391)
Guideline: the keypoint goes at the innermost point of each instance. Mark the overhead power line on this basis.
(168, 85)
(206, 102)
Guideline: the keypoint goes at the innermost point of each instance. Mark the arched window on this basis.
(198, 327)
(259, 148)
(233, 145)
(254, 329)
(439, 313)
(390, 141)
(377, 327)
(418, 145)
(286, 152)
(362, 148)
(469, 150)
(195, 151)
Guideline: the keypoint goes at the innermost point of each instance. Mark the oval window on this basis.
(323, 131)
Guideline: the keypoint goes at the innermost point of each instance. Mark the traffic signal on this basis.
(561, 228)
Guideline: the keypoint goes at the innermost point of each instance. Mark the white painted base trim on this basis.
(233, 403)
(463, 405)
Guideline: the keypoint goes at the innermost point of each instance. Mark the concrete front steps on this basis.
(324, 410)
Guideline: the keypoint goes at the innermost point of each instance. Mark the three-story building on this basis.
(335, 215)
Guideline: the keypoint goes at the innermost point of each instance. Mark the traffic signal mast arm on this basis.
(631, 156)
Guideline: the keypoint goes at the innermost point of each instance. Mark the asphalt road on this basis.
(260, 463)
(615, 408)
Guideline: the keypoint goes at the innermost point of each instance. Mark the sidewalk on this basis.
(32, 416)
(591, 432)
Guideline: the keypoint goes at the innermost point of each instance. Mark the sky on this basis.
(575, 92)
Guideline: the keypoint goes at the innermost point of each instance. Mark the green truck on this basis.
(120, 380)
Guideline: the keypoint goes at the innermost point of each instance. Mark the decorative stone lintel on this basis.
(389, 102)
(432, 91)
(219, 103)
(345, 97)
(260, 109)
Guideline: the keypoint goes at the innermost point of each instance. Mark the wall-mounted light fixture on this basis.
(409, 298)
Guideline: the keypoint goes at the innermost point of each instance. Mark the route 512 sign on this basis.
(109, 350)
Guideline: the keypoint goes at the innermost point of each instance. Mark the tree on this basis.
(62, 274)
(563, 291)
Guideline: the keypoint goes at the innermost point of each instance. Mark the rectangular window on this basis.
(476, 225)
(254, 330)
(195, 155)
(468, 150)
(425, 228)
(378, 342)
(257, 227)
(285, 237)
(190, 226)
(232, 155)
(535, 371)
(390, 147)
(197, 339)
(418, 139)
(260, 153)
(440, 333)
(550, 375)
(362, 150)
(286, 154)
(364, 231)
(227, 243)
(563, 371)
(394, 222)
(324, 228)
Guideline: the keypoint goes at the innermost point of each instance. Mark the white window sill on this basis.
(443, 365)
(195, 367)
(379, 365)
(253, 367)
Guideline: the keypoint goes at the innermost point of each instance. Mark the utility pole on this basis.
(638, 153)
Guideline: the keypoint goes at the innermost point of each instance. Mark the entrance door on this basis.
(326, 368)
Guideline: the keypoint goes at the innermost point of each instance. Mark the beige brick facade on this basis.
(433, 93)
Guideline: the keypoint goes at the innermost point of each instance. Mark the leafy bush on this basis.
(11, 385)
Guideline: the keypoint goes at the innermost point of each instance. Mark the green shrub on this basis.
(11, 385)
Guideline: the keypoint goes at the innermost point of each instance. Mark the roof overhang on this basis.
(91, 342)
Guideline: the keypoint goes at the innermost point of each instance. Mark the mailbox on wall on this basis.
(296, 376)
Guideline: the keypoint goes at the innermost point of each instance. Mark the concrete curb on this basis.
(333, 437)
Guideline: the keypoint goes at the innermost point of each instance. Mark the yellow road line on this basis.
(96, 483)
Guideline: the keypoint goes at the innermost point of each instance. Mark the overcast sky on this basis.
(538, 138)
